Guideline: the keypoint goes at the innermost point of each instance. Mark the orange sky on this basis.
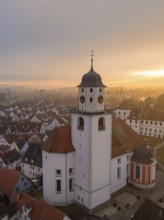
(53, 50)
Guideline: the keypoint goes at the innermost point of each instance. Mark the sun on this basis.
(151, 73)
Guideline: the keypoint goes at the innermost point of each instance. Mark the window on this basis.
(58, 186)
(155, 123)
(91, 99)
(137, 172)
(70, 171)
(101, 124)
(100, 90)
(151, 122)
(119, 161)
(128, 157)
(124, 113)
(160, 123)
(58, 172)
(119, 172)
(82, 90)
(146, 122)
(127, 168)
(71, 184)
(150, 129)
(91, 90)
(81, 124)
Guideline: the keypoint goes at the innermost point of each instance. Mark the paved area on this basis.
(125, 203)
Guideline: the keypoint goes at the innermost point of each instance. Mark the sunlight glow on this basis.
(151, 73)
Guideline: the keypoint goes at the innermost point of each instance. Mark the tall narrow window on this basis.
(81, 124)
(137, 172)
(101, 124)
(71, 184)
(119, 172)
(58, 186)
(70, 171)
(119, 161)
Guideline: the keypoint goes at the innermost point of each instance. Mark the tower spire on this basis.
(92, 55)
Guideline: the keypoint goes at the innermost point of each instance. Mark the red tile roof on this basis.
(124, 139)
(59, 140)
(8, 180)
(39, 208)
(154, 114)
(10, 138)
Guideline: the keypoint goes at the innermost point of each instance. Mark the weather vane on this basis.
(92, 55)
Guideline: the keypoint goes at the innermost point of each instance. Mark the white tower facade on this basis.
(91, 137)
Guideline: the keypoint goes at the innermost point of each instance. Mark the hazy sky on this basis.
(47, 43)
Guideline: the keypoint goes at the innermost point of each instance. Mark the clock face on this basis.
(100, 99)
(82, 99)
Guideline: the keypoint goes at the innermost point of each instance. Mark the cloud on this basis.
(52, 39)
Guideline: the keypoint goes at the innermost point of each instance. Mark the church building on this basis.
(87, 161)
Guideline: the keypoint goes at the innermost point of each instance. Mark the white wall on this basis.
(152, 128)
(122, 113)
(92, 160)
(30, 170)
(118, 183)
(134, 124)
(93, 106)
(51, 163)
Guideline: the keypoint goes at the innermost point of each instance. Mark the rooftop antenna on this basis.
(92, 55)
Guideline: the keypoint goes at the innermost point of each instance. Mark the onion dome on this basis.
(142, 155)
(91, 79)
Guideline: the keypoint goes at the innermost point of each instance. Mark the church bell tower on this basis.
(91, 137)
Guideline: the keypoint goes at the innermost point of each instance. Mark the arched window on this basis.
(101, 124)
(91, 90)
(80, 124)
(91, 99)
